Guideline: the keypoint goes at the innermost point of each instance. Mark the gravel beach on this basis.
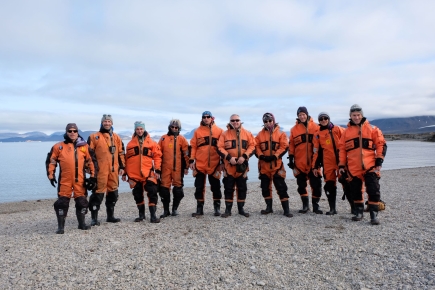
(307, 251)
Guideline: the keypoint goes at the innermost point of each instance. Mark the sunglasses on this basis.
(323, 118)
(206, 117)
(72, 131)
(235, 120)
(268, 121)
(355, 110)
(174, 127)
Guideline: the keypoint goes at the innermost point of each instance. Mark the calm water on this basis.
(23, 175)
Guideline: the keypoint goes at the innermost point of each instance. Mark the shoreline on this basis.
(288, 180)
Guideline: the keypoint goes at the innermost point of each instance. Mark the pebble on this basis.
(308, 251)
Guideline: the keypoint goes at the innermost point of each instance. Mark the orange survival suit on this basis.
(362, 148)
(109, 151)
(175, 154)
(235, 143)
(143, 157)
(301, 151)
(74, 159)
(326, 154)
(207, 160)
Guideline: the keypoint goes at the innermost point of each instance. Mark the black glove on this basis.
(379, 161)
(291, 162)
(53, 181)
(90, 183)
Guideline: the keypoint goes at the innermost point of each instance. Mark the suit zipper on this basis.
(333, 145)
(307, 141)
(209, 147)
(270, 147)
(175, 152)
(113, 154)
(77, 164)
(361, 148)
(140, 156)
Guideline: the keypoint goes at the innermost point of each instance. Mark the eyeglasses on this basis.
(356, 110)
(323, 119)
(107, 115)
(174, 127)
(72, 131)
(206, 117)
(268, 121)
(235, 120)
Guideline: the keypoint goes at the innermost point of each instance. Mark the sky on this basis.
(73, 61)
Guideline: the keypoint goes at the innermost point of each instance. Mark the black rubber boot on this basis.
(94, 217)
(228, 206)
(175, 205)
(350, 200)
(80, 213)
(166, 211)
(60, 224)
(141, 209)
(352, 208)
(374, 214)
(305, 202)
(240, 206)
(110, 209)
(217, 207)
(332, 197)
(199, 209)
(286, 208)
(359, 212)
(153, 217)
(316, 207)
(268, 209)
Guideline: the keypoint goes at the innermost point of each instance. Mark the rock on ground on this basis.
(260, 252)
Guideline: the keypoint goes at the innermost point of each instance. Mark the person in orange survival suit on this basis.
(362, 151)
(109, 151)
(74, 157)
(205, 160)
(300, 156)
(325, 142)
(143, 161)
(271, 144)
(235, 146)
(175, 165)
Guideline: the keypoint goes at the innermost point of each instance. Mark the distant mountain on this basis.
(409, 125)
(414, 125)
(189, 135)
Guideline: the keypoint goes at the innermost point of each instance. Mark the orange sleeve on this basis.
(283, 146)
(291, 146)
(193, 145)
(185, 150)
(221, 146)
(342, 150)
(251, 146)
(257, 145)
(381, 144)
(316, 148)
(52, 160)
(89, 163)
(157, 156)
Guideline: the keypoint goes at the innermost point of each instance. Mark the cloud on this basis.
(152, 61)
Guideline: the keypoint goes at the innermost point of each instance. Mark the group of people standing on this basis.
(353, 155)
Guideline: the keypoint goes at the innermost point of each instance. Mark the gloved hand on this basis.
(91, 183)
(291, 162)
(53, 181)
(379, 161)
